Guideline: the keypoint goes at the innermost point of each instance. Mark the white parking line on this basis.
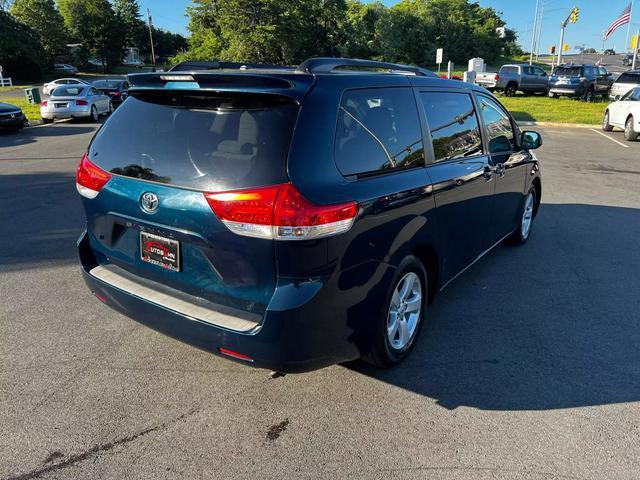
(609, 138)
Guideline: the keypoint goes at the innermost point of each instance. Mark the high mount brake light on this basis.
(89, 178)
(280, 212)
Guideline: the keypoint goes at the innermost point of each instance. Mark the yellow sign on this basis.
(634, 42)
(565, 48)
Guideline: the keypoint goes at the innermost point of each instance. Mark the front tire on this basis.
(629, 132)
(606, 126)
(527, 214)
(400, 321)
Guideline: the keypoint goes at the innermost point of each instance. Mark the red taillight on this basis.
(81, 102)
(116, 94)
(89, 178)
(280, 212)
(497, 77)
(43, 103)
(231, 353)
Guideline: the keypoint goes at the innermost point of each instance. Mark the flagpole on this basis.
(629, 26)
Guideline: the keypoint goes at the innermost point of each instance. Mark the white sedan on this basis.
(625, 114)
(47, 88)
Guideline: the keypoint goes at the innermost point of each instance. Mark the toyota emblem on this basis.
(149, 202)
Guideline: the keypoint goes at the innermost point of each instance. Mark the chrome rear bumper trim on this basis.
(221, 316)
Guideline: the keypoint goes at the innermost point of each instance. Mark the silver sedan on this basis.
(75, 101)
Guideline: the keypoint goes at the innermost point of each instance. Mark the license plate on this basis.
(60, 105)
(161, 251)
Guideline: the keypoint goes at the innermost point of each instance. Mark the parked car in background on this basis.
(49, 87)
(625, 114)
(65, 68)
(627, 59)
(513, 78)
(75, 101)
(580, 81)
(116, 89)
(11, 118)
(292, 220)
(609, 51)
(624, 83)
(132, 63)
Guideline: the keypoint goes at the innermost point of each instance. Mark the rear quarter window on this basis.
(378, 130)
(194, 140)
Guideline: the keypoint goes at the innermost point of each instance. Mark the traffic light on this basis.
(575, 15)
(553, 49)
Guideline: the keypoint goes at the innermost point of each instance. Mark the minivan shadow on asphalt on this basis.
(553, 324)
(41, 219)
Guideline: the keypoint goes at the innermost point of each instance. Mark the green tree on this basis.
(21, 53)
(128, 14)
(44, 18)
(93, 24)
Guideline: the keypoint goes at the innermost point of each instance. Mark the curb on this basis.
(555, 124)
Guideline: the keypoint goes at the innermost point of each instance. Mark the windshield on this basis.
(107, 83)
(67, 91)
(568, 71)
(204, 141)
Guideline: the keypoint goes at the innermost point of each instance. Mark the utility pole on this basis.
(533, 36)
(153, 50)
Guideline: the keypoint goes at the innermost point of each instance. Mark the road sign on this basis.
(439, 54)
(634, 43)
(565, 48)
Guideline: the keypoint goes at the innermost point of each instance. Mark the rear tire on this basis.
(629, 132)
(401, 319)
(510, 90)
(94, 114)
(606, 126)
(589, 95)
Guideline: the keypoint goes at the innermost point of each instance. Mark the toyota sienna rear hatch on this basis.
(156, 178)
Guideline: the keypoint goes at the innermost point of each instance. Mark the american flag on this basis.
(623, 19)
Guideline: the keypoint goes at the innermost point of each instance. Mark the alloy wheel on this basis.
(404, 311)
(527, 216)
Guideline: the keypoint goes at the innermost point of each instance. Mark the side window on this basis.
(498, 125)
(378, 129)
(527, 70)
(93, 91)
(539, 71)
(453, 123)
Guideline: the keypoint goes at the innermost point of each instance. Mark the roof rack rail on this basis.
(329, 64)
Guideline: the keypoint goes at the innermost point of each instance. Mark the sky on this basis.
(595, 17)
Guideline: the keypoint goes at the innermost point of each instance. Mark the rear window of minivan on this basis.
(196, 140)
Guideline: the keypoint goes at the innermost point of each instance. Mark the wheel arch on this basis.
(537, 185)
(429, 257)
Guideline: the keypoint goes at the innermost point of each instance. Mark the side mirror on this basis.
(531, 140)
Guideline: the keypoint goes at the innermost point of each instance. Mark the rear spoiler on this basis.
(286, 83)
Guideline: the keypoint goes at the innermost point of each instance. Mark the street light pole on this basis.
(533, 35)
(635, 50)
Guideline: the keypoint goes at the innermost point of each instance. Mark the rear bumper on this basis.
(567, 91)
(308, 325)
(80, 112)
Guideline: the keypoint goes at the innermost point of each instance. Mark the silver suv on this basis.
(624, 83)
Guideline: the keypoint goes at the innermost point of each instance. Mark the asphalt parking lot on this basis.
(528, 366)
